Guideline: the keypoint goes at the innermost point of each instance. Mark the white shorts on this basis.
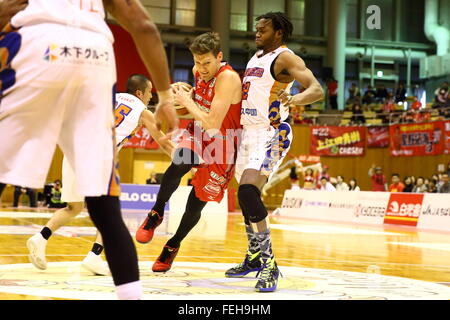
(58, 89)
(263, 149)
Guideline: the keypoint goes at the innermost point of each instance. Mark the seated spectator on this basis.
(420, 186)
(409, 186)
(340, 184)
(448, 169)
(55, 198)
(152, 179)
(379, 182)
(369, 96)
(441, 99)
(407, 117)
(325, 185)
(18, 191)
(432, 186)
(353, 185)
(400, 93)
(445, 186)
(353, 94)
(358, 115)
(381, 94)
(396, 185)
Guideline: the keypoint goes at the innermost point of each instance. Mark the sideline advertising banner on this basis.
(139, 196)
(422, 210)
(338, 141)
(417, 139)
(404, 208)
(435, 212)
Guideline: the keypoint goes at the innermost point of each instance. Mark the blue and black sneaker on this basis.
(268, 276)
(251, 263)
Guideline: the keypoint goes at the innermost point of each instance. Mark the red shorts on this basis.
(212, 177)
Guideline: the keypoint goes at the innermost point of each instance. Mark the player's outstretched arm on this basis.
(227, 88)
(296, 67)
(9, 8)
(134, 18)
(149, 121)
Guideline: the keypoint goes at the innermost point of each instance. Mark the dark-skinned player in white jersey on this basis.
(266, 138)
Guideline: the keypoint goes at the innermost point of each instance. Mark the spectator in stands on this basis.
(357, 114)
(420, 186)
(332, 93)
(18, 191)
(323, 173)
(309, 183)
(400, 93)
(325, 185)
(379, 182)
(442, 98)
(55, 199)
(396, 185)
(340, 184)
(445, 186)
(432, 186)
(353, 94)
(448, 170)
(353, 185)
(152, 179)
(382, 94)
(407, 117)
(369, 96)
(409, 186)
(387, 108)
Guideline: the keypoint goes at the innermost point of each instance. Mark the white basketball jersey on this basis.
(260, 104)
(128, 112)
(84, 14)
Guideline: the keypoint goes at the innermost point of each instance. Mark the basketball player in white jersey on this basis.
(266, 138)
(57, 87)
(131, 111)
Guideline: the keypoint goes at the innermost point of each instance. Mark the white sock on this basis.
(129, 291)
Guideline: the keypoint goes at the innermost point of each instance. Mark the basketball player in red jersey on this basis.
(211, 140)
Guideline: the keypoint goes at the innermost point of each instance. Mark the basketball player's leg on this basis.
(37, 243)
(251, 182)
(184, 160)
(259, 169)
(189, 220)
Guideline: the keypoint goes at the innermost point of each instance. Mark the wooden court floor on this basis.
(387, 250)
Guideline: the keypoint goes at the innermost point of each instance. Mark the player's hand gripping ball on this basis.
(179, 88)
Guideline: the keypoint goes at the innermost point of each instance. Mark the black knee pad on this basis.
(250, 201)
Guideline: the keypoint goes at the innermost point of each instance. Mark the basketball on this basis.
(181, 110)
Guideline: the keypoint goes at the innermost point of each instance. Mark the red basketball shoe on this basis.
(145, 232)
(165, 259)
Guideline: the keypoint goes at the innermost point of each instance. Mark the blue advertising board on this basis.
(139, 196)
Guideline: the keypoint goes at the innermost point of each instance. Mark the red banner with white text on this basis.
(378, 137)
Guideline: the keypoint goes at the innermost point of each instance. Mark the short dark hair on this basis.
(205, 43)
(395, 175)
(280, 21)
(136, 82)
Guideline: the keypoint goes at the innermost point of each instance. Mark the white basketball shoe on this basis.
(95, 264)
(36, 246)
